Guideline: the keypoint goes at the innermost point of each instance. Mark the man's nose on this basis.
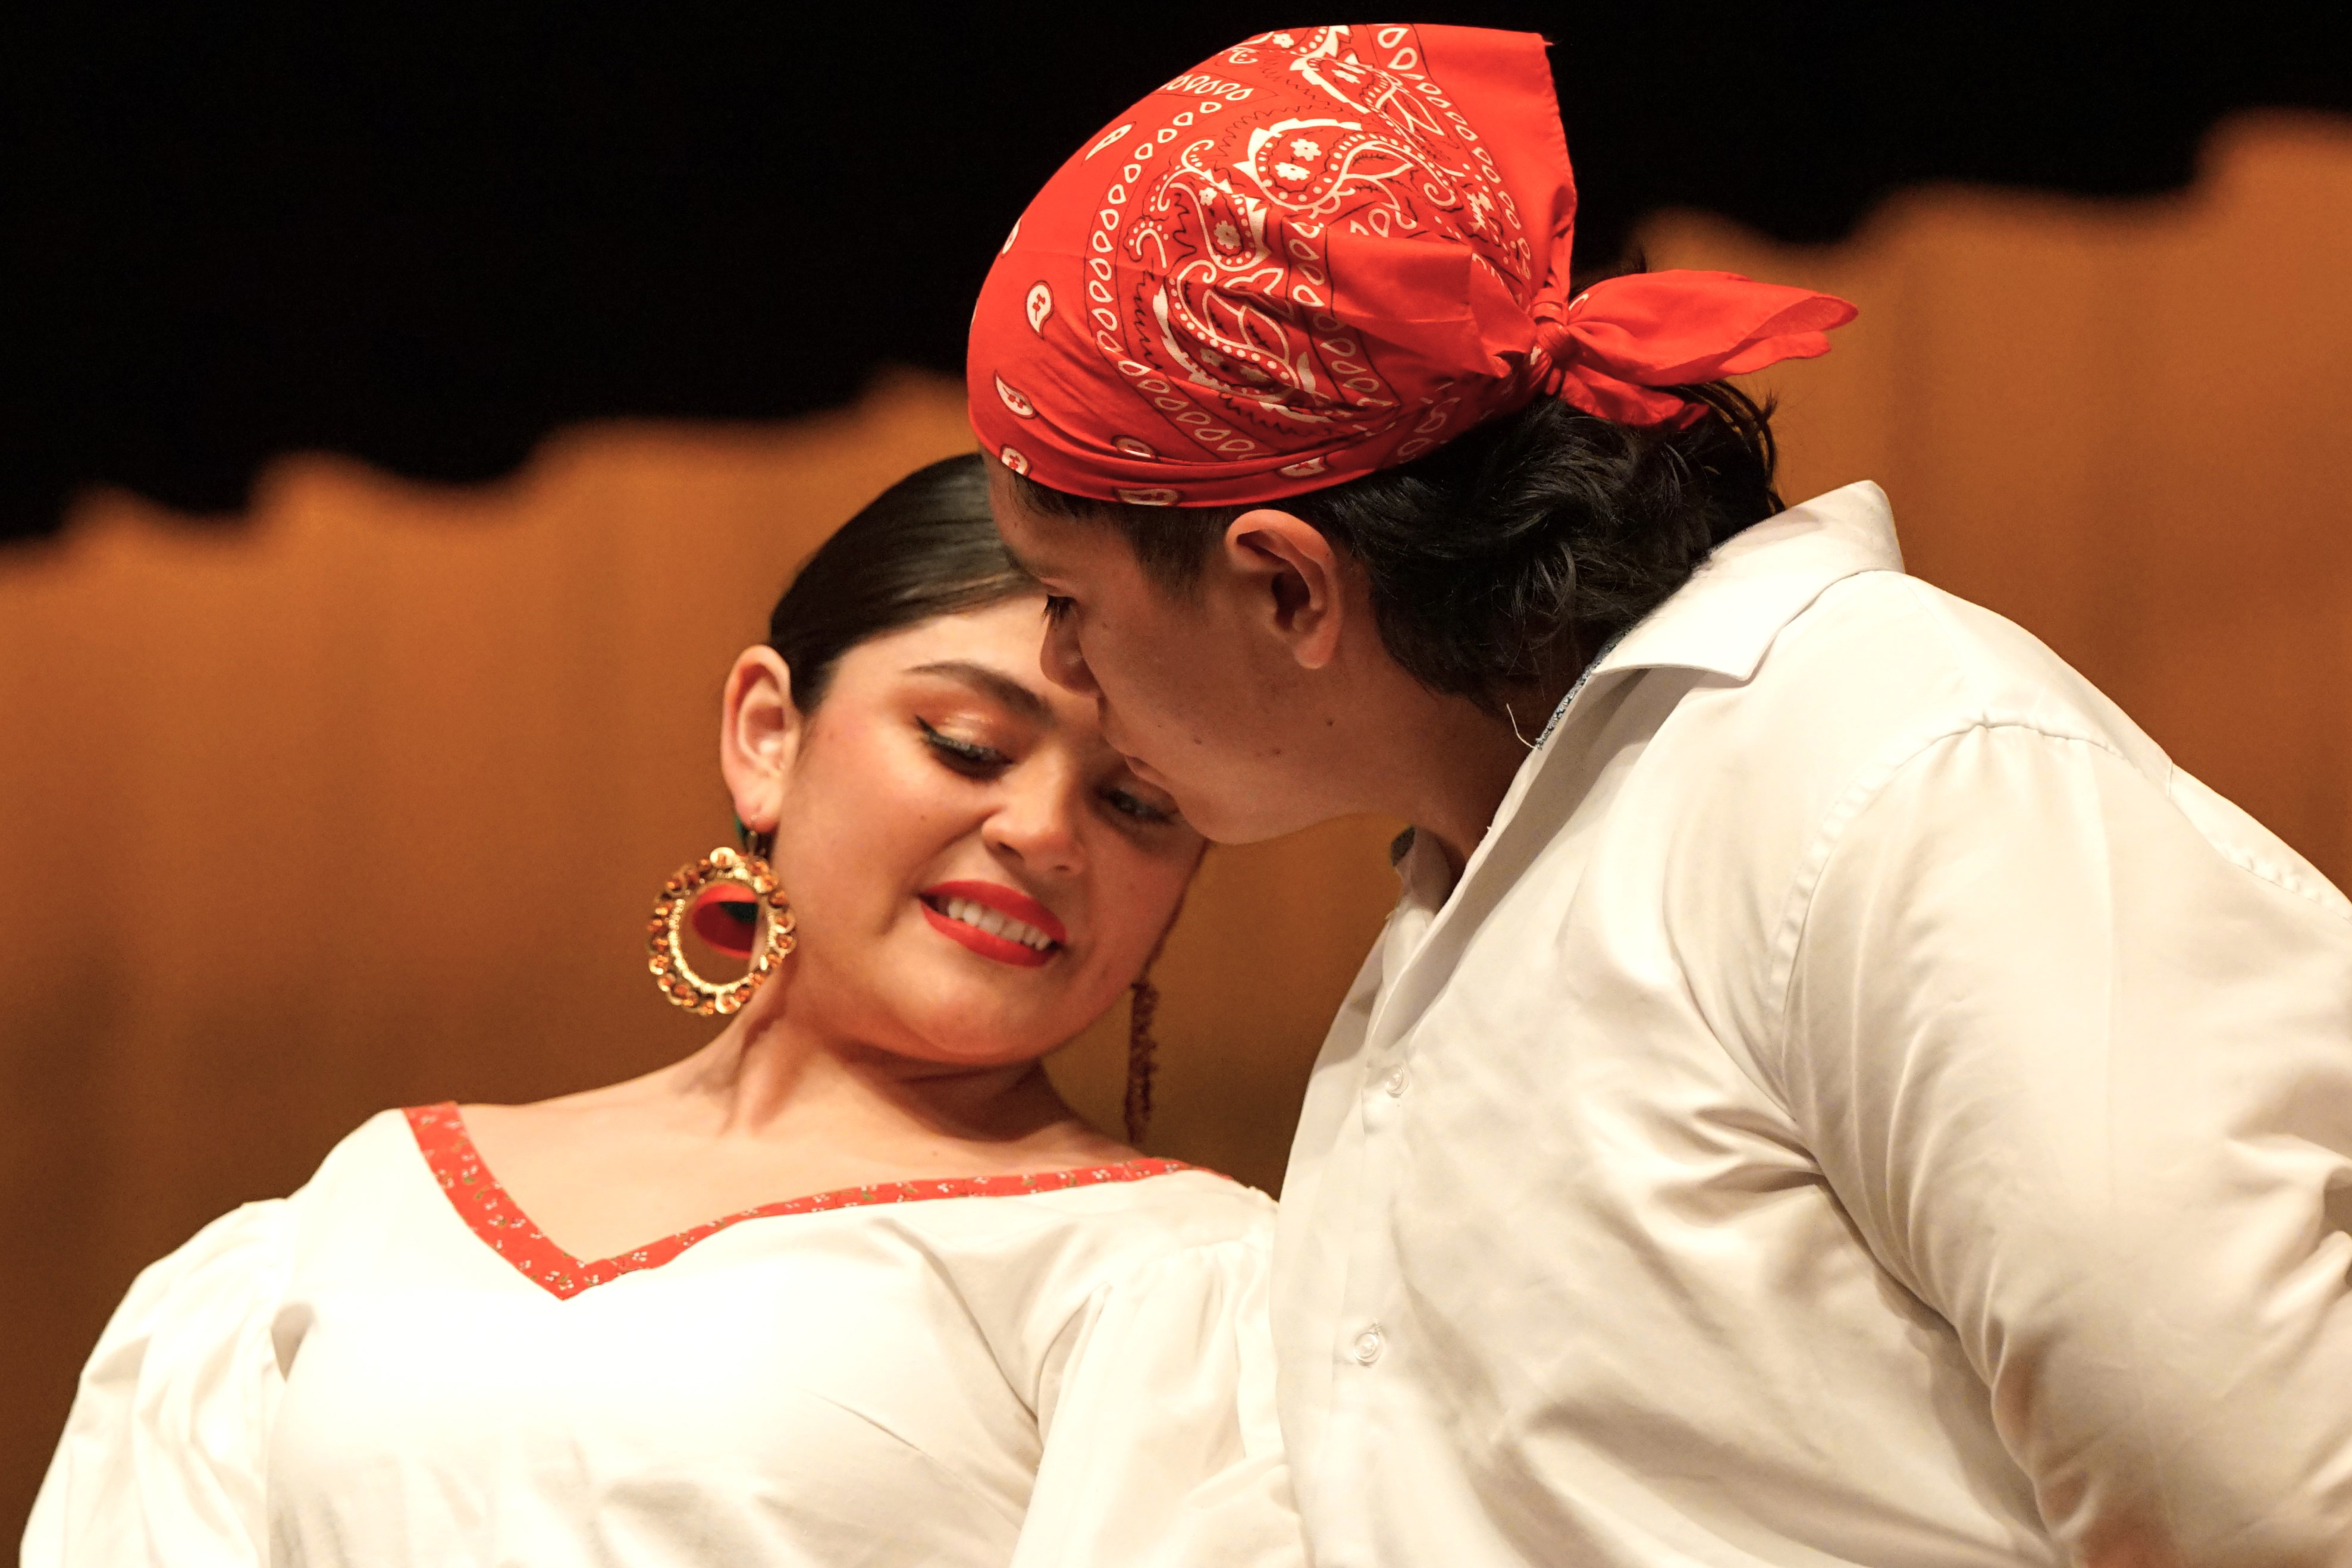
(1065, 664)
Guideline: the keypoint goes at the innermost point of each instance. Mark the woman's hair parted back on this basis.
(1500, 563)
(927, 546)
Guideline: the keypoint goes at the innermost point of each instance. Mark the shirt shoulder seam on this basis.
(2280, 877)
(1870, 780)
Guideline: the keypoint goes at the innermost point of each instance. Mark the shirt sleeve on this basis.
(1162, 1444)
(2073, 1047)
(163, 1460)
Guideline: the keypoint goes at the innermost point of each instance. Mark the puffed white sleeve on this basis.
(2073, 1044)
(1161, 1445)
(162, 1463)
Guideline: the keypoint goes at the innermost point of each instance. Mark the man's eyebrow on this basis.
(996, 683)
(1030, 568)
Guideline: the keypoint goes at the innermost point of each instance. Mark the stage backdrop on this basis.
(358, 801)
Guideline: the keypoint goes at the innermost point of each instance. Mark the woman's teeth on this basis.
(993, 922)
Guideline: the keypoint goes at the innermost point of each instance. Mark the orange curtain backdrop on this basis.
(359, 802)
(2128, 427)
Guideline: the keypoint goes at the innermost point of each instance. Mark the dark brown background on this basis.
(427, 236)
(359, 804)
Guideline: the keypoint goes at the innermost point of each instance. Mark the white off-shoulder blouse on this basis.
(394, 1368)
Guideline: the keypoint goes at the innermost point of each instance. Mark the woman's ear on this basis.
(759, 731)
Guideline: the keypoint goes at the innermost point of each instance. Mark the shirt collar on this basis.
(1723, 621)
(1759, 580)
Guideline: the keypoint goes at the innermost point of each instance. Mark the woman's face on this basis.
(975, 873)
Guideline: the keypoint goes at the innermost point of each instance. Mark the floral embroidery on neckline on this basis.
(492, 1215)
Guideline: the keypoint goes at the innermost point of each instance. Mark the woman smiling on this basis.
(850, 1283)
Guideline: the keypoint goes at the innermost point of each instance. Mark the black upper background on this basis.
(428, 240)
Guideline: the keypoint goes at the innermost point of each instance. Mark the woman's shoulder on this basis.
(178, 1390)
(1031, 1263)
(1181, 1204)
(1184, 1221)
(369, 1181)
(363, 1158)
(379, 1151)
(1088, 1226)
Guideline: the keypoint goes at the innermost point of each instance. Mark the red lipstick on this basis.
(956, 911)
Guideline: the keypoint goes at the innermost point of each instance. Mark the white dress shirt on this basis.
(353, 1378)
(1860, 1104)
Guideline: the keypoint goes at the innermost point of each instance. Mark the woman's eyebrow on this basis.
(996, 683)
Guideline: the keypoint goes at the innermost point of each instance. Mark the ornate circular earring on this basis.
(683, 895)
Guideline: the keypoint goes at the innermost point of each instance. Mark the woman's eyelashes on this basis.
(975, 760)
(1058, 608)
(967, 757)
(1130, 805)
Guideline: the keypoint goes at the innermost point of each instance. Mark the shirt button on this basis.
(1368, 1344)
(1395, 1083)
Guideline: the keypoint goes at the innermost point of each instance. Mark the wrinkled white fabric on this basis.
(1860, 1104)
(352, 1377)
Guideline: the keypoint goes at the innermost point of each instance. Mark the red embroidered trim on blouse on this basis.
(492, 1215)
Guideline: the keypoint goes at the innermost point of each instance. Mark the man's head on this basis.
(1225, 688)
(1234, 651)
(1299, 408)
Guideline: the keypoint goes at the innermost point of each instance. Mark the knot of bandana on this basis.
(1611, 348)
(1325, 252)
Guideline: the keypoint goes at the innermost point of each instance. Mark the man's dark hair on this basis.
(1500, 563)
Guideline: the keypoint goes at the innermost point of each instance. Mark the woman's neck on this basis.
(768, 1110)
(769, 1076)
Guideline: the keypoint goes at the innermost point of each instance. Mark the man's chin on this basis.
(1222, 820)
(1228, 816)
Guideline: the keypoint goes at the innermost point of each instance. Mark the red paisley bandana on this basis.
(1325, 252)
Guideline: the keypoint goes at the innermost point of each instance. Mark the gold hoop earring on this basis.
(667, 958)
(1142, 1052)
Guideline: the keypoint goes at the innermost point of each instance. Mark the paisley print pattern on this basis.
(1319, 253)
(1229, 283)
(1227, 213)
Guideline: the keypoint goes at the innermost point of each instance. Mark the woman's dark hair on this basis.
(927, 546)
(1500, 563)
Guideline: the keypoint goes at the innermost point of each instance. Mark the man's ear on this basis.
(760, 731)
(1295, 580)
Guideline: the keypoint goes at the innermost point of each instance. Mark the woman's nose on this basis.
(1036, 819)
(1064, 663)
